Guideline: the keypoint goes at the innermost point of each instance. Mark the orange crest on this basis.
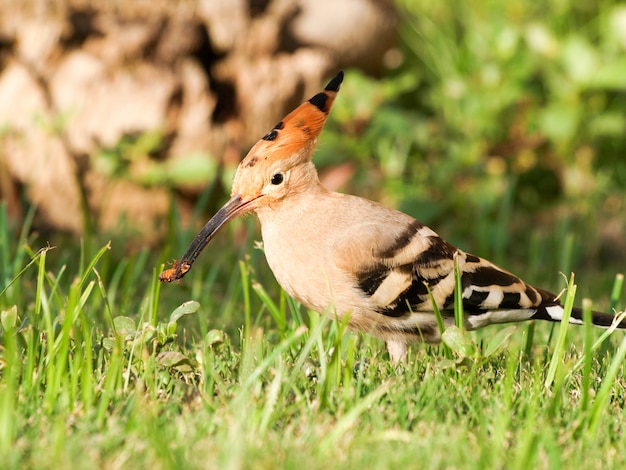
(297, 133)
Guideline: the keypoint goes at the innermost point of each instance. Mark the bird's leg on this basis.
(397, 350)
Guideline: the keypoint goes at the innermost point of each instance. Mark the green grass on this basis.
(99, 367)
(508, 148)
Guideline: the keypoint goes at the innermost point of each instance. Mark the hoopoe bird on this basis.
(351, 256)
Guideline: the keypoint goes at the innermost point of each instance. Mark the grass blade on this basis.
(447, 352)
(608, 382)
(559, 348)
(616, 292)
(587, 355)
(459, 318)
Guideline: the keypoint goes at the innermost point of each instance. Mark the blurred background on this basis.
(502, 125)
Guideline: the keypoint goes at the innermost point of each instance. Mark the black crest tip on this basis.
(335, 83)
(271, 135)
(319, 101)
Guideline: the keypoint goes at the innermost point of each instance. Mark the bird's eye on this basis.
(277, 178)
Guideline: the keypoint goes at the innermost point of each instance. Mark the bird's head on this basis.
(277, 165)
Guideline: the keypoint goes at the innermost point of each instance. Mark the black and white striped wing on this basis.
(398, 274)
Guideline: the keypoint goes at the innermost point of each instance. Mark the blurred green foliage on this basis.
(501, 118)
(135, 158)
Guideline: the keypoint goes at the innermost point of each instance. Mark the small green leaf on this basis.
(172, 359)
(185, 309)
(214, 337)
(8, 318)
(171, 328)
(124, 325)
(161, 333)
(458, 342)
(148, 332)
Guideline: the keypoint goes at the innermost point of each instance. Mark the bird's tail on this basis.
(600, 319)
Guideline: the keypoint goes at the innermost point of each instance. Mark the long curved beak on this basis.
(233, 208)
